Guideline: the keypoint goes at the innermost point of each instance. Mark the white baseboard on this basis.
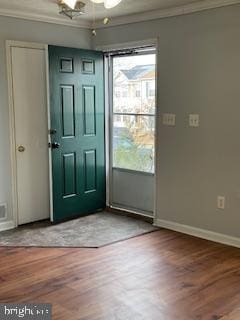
(6, 225)
(197, 232)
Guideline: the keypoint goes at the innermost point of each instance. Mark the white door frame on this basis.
(12, 131)
(154, 42)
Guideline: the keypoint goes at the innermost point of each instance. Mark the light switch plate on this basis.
(169, 119)
(194, 120)
(221, 202)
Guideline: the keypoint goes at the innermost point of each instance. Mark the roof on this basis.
(138, 71)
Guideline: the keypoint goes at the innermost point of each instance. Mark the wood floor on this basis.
(159, 276)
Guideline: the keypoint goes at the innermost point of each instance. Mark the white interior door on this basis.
(31, 133)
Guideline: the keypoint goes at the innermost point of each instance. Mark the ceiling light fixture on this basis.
(70, 3)
(108, 3)
(71, 8)
(74, 8)
(97, 1)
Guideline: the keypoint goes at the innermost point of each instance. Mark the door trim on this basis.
(49, 136)
(128, 45)
(12, 130)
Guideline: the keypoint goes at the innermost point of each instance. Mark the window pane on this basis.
(134, 84)
(133, 142)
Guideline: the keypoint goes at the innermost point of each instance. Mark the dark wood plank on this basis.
(162, 275)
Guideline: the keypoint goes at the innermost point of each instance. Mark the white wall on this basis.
(23, 30)
(199, 72)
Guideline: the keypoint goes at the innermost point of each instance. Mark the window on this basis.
(138, 93)
(134, 116)
(151, 93)
(150, 89)
(117, 94)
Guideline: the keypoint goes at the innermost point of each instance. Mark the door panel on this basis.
(90, 168)
(30, 118)
(69, 172)
(89, 110)
(68, 114)
(77, 117)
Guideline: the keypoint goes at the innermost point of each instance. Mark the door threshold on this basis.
(130, 213)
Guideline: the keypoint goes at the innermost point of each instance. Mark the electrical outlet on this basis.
(169, 119)
(221, 202)
(194, 120)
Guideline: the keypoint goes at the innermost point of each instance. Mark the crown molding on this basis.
(44, 18)
(166, 13)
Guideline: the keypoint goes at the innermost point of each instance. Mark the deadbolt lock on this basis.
(52, 131)
(55, 145)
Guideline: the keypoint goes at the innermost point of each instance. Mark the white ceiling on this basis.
(48, 9)
(126, 7)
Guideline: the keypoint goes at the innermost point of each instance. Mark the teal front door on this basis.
(77, 131)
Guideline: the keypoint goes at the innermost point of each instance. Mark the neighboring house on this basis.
(134, 92)
(134, 89)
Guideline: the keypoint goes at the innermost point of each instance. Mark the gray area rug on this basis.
(91, 231)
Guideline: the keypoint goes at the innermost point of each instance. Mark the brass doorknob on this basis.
(21, 148)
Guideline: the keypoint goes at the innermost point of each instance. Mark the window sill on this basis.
(134, 171)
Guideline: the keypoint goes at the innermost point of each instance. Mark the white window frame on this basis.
(121, 46)
(112, 113)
